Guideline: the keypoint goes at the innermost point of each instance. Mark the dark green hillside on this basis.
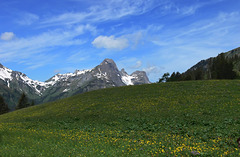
(224, 66)
(176, 118)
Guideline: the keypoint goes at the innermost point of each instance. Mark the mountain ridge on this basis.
(104, 75)
(225, 65)
(204, 63)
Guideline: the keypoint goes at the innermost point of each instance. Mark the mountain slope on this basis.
(224, 66)
(63, 85)
(168, 119)
(205, 63)
(104, 75)
(13, 83)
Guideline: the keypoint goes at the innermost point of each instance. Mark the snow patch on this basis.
(65, 90)
(33, 83)
(44, 85)
(101, 74)
(127, 80)
(8, 83)
(78, 72)
(5, 73)
(65, 77)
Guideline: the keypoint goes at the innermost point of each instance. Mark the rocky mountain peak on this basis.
(139, 77)
(59, 86)
(108, 61)
(123, 72)
(108, 65)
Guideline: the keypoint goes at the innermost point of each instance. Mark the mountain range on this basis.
(105, 75)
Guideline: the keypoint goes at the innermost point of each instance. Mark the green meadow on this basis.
(192, 118)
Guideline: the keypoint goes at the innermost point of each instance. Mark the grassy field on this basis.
(199, 118)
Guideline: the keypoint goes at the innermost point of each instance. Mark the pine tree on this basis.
(175, 76)
(222, 68)
(172, 77)
(178, 76)
(23, 102)
(3, 106)
(199, 74)
(165, 78)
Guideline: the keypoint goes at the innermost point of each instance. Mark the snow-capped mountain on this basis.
(63, 85)
(12, 78)
(5, 74)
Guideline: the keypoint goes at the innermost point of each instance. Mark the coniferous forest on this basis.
(220, 67)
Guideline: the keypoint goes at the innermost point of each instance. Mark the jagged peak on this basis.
(106, 65)
(123, 72)
(138, 72)
(108, 61)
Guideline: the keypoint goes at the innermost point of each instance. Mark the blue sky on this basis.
(42, 38)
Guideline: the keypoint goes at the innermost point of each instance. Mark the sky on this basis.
(43, 38)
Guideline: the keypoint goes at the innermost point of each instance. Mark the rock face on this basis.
(109, 71)
(105, 75)
(139, 77)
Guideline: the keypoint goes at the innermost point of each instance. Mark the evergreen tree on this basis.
(23, 102)
(222, 68)
(187, 77)
(172, 77)
(3, 106)
(178, 76)
(165, 78)
(199, 74)
(175, 77)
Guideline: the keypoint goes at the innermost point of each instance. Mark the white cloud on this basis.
(188, 10)
(179, 49)
(153, 72)
(106, 10)
(134, 38)
(7, 36)
(110, 42)
(28, 19)
(29, 47)
(218, 31)
(151, 69)
(78, 57)
(137, 65)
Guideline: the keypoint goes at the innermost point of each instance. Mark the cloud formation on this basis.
(28, 19)
(22, 48)
(7, 36)
(151, 69)
(110, 42)
(107, 10)
(137, 65)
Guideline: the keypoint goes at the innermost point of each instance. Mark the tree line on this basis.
(220, 67)
(23, 102)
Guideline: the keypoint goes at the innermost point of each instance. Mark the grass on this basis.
(195, 118)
